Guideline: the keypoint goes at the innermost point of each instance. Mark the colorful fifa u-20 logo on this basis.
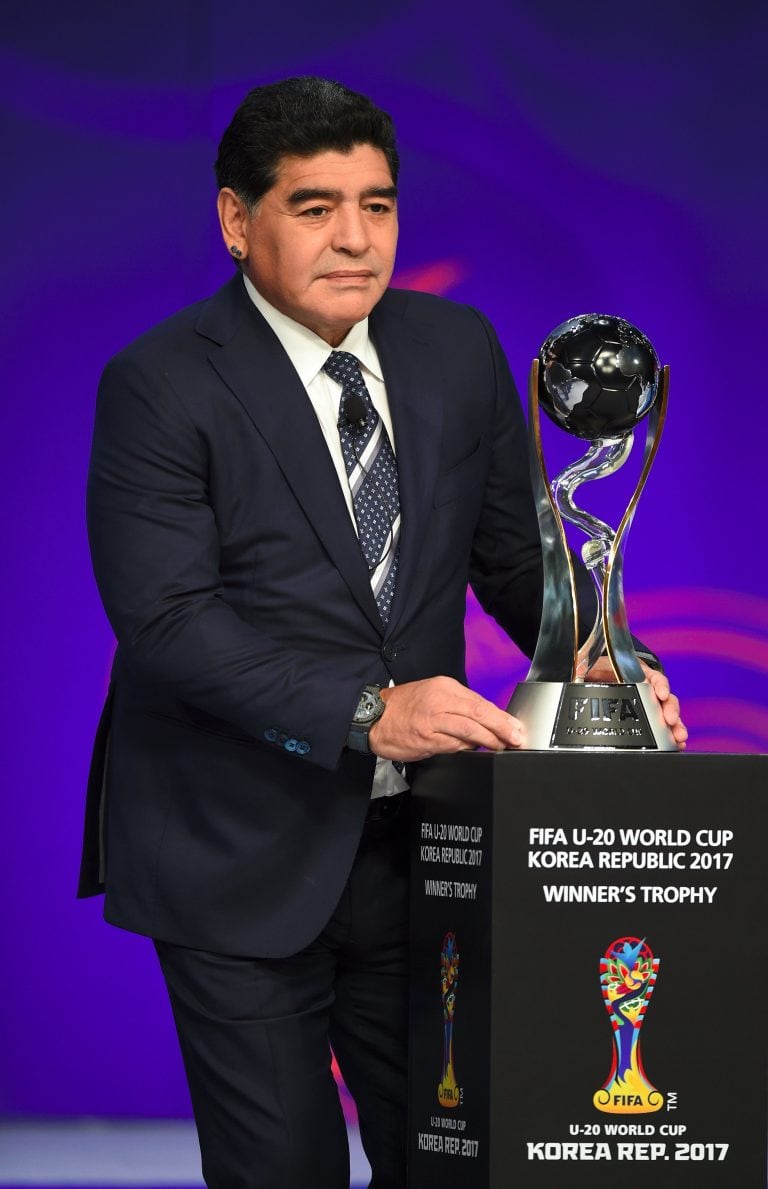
(448, 1093)
(628, 973)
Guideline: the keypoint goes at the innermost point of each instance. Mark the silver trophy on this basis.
(597, 377)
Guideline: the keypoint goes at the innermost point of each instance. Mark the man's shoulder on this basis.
(431, 312)
(416, 303)
(181, 331)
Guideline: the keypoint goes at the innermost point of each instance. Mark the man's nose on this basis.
(350, 231)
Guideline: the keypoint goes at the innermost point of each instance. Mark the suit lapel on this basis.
(411, 372)
(250, 360)
(252, 363)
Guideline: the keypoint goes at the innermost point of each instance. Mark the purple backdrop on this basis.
(556, 159)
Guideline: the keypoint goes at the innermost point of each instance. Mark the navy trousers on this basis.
(255, 1036)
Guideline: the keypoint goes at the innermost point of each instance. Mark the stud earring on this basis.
(236, 251)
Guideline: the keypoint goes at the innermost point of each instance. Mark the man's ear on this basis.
(233, 217)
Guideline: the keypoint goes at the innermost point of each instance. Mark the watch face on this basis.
(369, 707)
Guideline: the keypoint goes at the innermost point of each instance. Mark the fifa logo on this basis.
(602, 710)
(448, 1093)
(628, 973)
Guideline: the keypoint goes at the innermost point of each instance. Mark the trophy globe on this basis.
(598, 376)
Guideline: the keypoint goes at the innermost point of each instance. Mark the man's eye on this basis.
(315, 212)
(379, 208)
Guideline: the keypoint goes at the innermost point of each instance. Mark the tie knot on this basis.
(343, 367)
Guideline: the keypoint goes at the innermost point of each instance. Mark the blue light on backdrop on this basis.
(556, 159)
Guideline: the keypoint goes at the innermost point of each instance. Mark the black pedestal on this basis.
(609, 916)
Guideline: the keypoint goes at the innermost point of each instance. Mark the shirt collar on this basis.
(305, 349)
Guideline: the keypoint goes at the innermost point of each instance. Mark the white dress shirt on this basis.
(308, 352)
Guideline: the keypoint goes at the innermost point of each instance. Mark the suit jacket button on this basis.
(290, 744)
(270, 735)
(302, 747)
(281, 739)
(389, 652)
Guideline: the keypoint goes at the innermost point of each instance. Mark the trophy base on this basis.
(590, 716)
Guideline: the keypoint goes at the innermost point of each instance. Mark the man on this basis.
(291, 485)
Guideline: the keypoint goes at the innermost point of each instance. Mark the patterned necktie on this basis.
(372, 474)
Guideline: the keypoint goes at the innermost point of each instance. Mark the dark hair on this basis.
(297, 117)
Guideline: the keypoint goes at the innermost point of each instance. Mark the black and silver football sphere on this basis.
(598, 376)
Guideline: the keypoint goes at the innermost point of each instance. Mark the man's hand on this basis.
(602, 670)
(439, 715)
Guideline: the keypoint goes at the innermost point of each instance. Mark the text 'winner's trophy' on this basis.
(597, 377)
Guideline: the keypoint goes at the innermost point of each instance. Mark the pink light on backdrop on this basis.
(728, 724)
(347, 1101)
(439, 277)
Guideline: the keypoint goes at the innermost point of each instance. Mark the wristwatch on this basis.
(369, 710)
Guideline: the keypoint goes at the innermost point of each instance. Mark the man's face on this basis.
(321, 245)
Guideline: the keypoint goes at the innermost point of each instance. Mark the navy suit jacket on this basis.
(224, 810)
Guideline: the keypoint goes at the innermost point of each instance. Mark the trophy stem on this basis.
(604, 457)
(618, 638)
(558, 635)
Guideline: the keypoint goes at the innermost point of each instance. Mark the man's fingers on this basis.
(680, 735)
(671, 709)
(679, 731)
(504, 727)
(469, 716)
(660, 685)
(467, 733)
(602, 670)
(505, 731)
